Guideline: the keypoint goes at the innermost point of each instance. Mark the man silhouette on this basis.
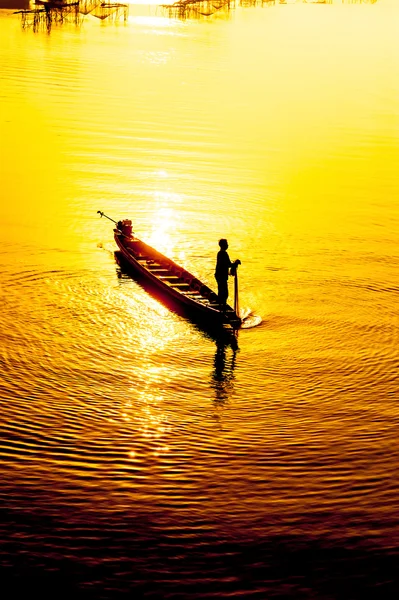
(223, 264)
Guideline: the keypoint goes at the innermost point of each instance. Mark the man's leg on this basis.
(223, 293)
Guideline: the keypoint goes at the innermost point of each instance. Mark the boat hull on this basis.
(173, 281)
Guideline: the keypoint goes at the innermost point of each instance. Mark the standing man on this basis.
(223, 264)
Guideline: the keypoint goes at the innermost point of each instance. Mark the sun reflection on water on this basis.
(163, 224)
(152, 422)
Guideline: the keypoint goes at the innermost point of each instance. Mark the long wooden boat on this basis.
(170, 278)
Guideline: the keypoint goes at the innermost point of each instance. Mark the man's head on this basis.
(223, 244)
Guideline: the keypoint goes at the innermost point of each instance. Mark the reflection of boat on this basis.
(172, 280)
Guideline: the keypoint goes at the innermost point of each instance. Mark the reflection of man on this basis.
(223, 373)
(223, 264)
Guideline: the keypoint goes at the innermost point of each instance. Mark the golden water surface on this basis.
(141, 454)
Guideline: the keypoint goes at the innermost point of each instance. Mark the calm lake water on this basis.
(140, 454)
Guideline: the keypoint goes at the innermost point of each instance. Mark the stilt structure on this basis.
(46, 13)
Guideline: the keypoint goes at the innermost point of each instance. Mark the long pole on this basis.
(236, 304)
(104, 215)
